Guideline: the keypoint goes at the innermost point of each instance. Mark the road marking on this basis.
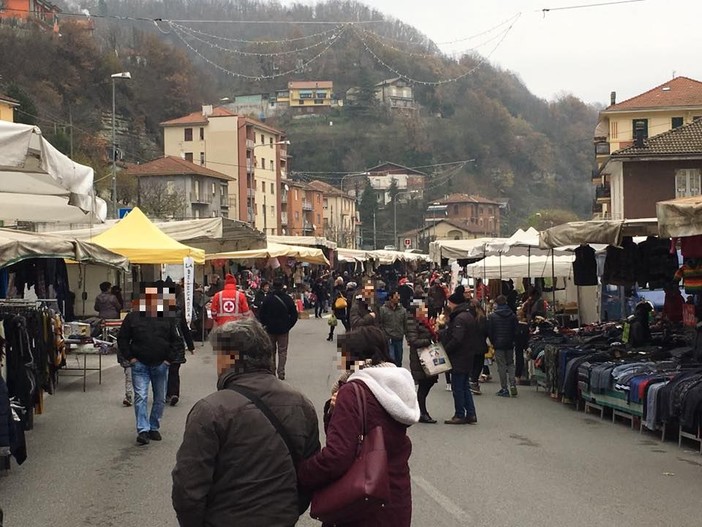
(440, 498)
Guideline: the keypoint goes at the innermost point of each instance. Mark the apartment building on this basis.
(302, 209)
(340, 218)
(253, 154)
(473, 214)
(622, 125)
(7, 108)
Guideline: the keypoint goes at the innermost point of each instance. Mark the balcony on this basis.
(201, 200)
(603, 193)
(283, 152)
(249, 166)
(251, 217)
(596, 177)
(307, 205)
(224, 202)
(596, 207)
(307, 227)
(284, 197)
(602, 148)
(251, 193)
(250, 144)
(283, 218)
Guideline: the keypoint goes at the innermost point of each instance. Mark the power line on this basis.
(259, 42)
(585, 6)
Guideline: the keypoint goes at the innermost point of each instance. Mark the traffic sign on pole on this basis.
(408, 243)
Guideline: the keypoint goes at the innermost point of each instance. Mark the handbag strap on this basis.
(362, 405)
(271, 417)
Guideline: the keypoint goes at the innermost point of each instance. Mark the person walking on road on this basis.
(260, 296)
(363, 311)
(278, 315)
(229, 304)
(393, 322)
(233, 467)
(148, 340)
(390, 403)
(436, 299)
(420, 334)
(186, 339)
(481, 347)
(459, 340)
(320, 292)
(502, 330)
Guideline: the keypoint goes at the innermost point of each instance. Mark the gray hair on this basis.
(247, 338)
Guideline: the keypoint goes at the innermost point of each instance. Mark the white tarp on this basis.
(680, 217)
(521, 238)
(309, 241)
(520, 266)
(30, 166)
(462, 249)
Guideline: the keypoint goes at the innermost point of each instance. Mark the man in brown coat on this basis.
(234, 467)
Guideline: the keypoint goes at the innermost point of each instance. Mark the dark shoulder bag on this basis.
(365, 487)
(303, 498)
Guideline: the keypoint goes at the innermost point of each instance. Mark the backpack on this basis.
(340, 302)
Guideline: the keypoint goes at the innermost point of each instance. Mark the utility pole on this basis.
(375, 241)
(394, 221)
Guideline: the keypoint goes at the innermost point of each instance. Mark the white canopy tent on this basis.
(607, 232)
(520, 266)
(39, 183)
(308, 241)
(680, 217)
(275, 250)
(462, 249)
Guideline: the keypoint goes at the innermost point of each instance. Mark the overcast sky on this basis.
(627, 48)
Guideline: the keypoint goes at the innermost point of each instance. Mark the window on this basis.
(263, 140)
(272, 188)
(319, 198)
(688, 182)
(297, 214)
(481, 211)
(272, 210)
(263, 187)
(272, 165)
(319, 218)
(271, 141)
(170, 187)
(615, 129)
(202, 159)
(188, 134)
(214, 189)
(202, 134)
(640, 122)
(263, 163)
(676, 122)
(297, 196)
(189, 156)
(326, 203)
(455, 209)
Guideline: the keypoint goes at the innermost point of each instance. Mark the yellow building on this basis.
(340, 217)
(670, 105)
(310, 94)
(250, 152)
(7, 108)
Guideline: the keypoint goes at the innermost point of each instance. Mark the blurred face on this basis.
(367, 292)
(421, 313)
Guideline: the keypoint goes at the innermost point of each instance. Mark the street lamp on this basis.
(122, 75)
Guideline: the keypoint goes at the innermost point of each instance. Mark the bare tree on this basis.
(157, 201)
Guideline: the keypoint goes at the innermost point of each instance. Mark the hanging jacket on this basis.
(6, 422)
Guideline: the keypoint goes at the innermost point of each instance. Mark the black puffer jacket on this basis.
(418, 336)
(150, 340)
(460, 339)
(185, 340)
(502, 328)
(233, 468)
(6, 422)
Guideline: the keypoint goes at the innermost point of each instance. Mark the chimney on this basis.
(207, 110)
(639, 134)
(613, 98)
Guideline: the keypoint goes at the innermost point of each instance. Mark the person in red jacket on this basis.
(229, 304)
(673, 304)
(391, 404)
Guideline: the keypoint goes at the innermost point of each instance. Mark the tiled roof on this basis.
(682, 141)
(173, 166)
(677, 92)
(394, 168)
(326, 188)
(198, 118)
(466, 198)
(309, 85)
(10, 100)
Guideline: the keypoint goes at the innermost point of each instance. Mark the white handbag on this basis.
(434, 359)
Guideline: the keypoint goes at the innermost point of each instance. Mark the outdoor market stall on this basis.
(275, 250)
(39, 183)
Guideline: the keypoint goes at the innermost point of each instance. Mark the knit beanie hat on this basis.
(457, 297)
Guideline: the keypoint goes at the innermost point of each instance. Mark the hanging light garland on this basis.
(257, 42)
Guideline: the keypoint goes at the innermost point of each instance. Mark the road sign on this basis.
(408, 243)
(121, 213)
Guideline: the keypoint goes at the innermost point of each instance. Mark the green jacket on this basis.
(393, 321)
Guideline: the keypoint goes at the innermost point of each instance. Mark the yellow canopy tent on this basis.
(274, 250)
(143, 243)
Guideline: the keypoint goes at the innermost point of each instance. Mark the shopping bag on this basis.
(434, 359)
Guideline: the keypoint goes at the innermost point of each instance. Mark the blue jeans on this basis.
(396, 352)
(462, 398)
(142, 375)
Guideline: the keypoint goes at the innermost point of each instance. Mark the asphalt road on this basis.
(529, 462)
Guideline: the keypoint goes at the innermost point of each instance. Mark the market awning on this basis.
(16, 246)
(503, 267)
(390, 257)
(680, 217)
(137, 238)
(308, 241)
(462, 249)
(275, 250)
(607, 232)
(39, 183)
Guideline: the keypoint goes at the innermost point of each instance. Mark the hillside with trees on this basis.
(535, 153)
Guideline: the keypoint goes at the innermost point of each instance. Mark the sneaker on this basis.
(174, 400)
(127, 401)
(456, 421)
(504, 392)
(448, 387)
(475, 388)
(143, 438)
(155, 435)
(513, 391)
